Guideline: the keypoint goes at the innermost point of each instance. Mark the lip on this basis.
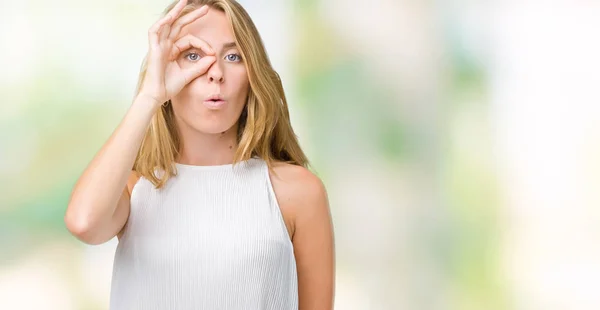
(214, 102)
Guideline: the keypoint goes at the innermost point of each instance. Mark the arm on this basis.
(314, 246)
(99, 204)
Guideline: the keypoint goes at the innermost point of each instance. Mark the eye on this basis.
(233, 57)
(194, 56)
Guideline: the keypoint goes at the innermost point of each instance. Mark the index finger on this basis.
(175, 11)
(185, 20)
(190, 41)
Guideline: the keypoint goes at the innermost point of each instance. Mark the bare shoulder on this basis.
(300, 194)
(296, 183)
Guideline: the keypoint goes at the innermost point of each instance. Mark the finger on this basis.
(187, 42)
(154, 31)
(170, 18)
(198, 69)
(175, 11)
(185, 20)
(164, 32)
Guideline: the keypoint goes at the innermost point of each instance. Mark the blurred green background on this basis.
(458, 140)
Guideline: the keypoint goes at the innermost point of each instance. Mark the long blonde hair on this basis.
(264, 126)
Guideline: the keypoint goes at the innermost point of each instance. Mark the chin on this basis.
(213, 125)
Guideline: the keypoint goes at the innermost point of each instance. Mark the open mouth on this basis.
(214, 103)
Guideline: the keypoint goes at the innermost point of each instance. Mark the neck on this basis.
(203, 149)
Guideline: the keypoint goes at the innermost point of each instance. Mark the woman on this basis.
(203, 181)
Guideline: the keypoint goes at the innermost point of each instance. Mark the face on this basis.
(227, 77)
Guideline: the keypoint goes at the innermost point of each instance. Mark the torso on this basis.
(281, 175)
(209, 234)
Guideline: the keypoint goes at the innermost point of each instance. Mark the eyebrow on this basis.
(229, 45)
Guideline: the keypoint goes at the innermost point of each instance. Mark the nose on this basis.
(215, 73)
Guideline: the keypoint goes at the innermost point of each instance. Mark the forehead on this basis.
(214, 28)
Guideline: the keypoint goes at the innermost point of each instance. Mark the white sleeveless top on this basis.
(213, 238)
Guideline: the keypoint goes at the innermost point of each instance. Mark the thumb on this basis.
(199, 68)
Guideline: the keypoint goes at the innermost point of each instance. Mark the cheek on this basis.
(192, 92)
(239, 80)
(186, 101)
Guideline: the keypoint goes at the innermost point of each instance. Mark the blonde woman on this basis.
(204, 182)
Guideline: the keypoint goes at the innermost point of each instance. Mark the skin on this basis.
(304, 204)
(209, 138)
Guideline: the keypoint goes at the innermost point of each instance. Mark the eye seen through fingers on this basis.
(193, 56)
